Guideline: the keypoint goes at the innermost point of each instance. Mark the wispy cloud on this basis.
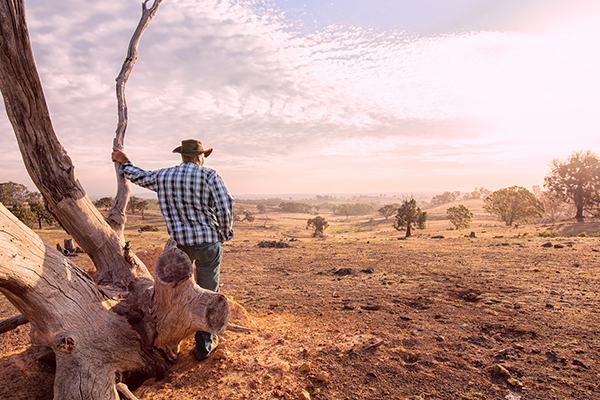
(276, 100)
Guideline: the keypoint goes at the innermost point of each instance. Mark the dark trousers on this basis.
(206, 258)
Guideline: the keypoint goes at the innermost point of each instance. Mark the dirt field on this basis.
(360, 314)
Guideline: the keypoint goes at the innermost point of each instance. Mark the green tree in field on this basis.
(22, 211)
(319, 224)
(388, 210)
(295, 207)
(142, 205)
(446, 197)
(460, 216)
(11, 192)
(354, 209)
(136, 204)
(38, 208)
(410, 216)
(576, 181)
(104, 202)
(514, 204)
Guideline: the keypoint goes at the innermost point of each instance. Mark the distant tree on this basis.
(514, 204)
(38, 208)
(22, 211)
(132, 204)
(478, 193)
(576, 181)
(11, 192)
(142, 206)
(460, 216)
(248, 216)
(104, 202)
(319, 224)
(388, 210)
(410, 216)
(354, 209)
(446, 197)
(295, 207)
(261, 208)
(554, 206)
(136, 204)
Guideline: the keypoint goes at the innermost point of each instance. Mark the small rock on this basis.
(221, 354)
(558, 246)
(322, 376)
(284, 367)
(303, 395)
(514, 382)
(305, 368)
(500, 371)
(547, 244)
(344, 272)
(368, 270)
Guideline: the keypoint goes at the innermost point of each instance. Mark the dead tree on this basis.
(125, 321)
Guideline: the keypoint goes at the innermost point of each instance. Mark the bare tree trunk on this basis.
(116, 215)
(47, 162)
(125, 321)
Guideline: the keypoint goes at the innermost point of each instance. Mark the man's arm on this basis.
(223, 208)
(145, 179)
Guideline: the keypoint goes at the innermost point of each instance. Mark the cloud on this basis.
(270, 95)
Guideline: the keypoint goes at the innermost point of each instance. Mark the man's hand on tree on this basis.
(119, 156)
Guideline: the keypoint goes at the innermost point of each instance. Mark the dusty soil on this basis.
(361, 314)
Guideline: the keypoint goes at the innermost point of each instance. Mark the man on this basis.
(199, 213)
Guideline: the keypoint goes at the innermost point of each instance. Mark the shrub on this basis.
(549, 234)
(148, 228)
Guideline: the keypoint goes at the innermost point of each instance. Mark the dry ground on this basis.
(361, 314)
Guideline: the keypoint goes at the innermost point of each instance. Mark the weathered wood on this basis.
(70, 313)
(125, 392)
(181, 306)
(116, 216)
(46, 161)
(12, 323)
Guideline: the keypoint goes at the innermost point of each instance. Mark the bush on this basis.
(148, 228)
(550, 234)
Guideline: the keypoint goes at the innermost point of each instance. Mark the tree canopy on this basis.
(514, 204)
(576, 180)
(388, 210)
(460, 216)
(319, 224)
(11, 192)
(410, 216)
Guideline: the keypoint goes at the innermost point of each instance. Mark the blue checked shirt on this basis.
(193, 199)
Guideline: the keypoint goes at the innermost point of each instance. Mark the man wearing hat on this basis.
(199, 213)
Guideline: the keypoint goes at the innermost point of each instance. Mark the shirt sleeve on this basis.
(136, 175)
(223, 208)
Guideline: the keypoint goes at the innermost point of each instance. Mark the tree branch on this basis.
(116, 216)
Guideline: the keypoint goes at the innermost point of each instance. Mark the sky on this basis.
(323, 97)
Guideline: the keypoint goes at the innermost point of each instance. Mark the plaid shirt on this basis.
(193, 199)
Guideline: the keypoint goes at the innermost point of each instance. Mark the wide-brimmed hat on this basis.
(192, 147)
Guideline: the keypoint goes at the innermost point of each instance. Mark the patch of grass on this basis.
(148, 228)
(550, 234)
